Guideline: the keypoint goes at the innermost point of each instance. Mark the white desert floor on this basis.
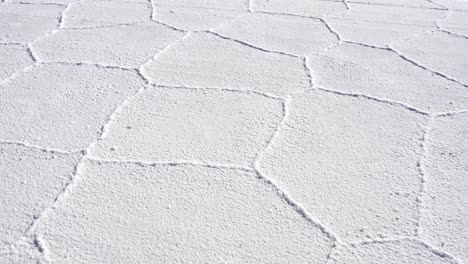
(205, 131)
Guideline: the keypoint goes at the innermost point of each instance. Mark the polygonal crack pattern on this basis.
(246, 131)
(186, 213)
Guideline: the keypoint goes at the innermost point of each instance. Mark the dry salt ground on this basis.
(234, 131)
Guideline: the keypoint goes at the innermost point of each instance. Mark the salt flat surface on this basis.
(234, 131)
